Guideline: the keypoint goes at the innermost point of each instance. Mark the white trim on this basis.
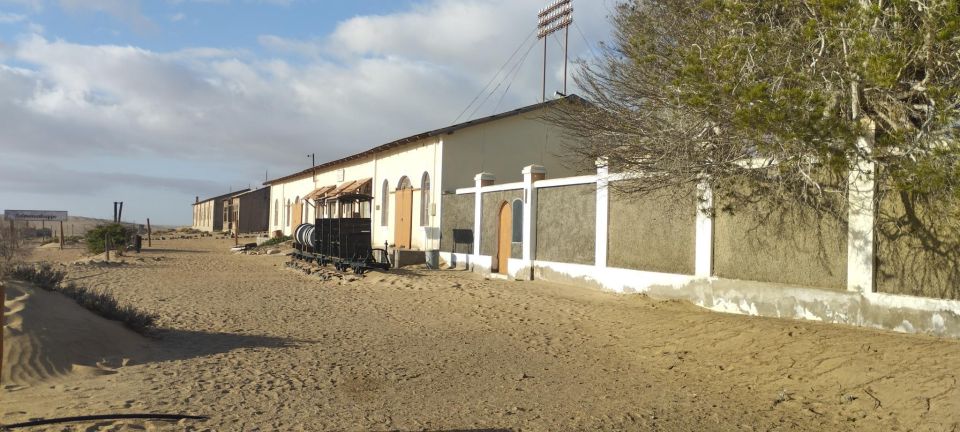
(625, 176)
(478, 211)
(530, 215)
(860, 234)
(612, 278)
(703, 263)
(464, 191)
(912, 302)
(566, 181)
(502, 187)
(456, 259)
(602, 216)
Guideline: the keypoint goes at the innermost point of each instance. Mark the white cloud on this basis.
(10, 18)
(33, 5)
(127, 11)
(374, 79)
(177, 17)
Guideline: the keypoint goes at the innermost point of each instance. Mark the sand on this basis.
(256, 346)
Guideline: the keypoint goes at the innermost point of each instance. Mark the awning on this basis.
(350, 188)
(319, 193)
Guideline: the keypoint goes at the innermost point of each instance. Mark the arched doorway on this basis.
(403, 228)
(504, 238)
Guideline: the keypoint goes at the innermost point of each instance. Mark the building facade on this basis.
(408, 177)
(207, 214)
(247, 212)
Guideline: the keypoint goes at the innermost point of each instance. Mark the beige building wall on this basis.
(203, 216)
(503, 147)
(410, 160)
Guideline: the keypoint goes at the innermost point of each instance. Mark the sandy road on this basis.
(259, 347)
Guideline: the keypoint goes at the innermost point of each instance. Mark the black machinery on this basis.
(342, 238)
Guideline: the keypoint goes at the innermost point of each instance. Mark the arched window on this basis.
(425, 200)
(517, 235)
(276, 211)
(385, 204)
(298, 210)
(287, 213)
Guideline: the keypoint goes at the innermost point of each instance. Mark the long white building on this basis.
(407, 176)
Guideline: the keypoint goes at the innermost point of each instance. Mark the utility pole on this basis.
(557, 15)
(313, 166)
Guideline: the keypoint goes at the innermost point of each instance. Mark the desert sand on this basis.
(256, 346)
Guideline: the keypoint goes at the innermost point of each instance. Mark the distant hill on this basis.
(79, 225)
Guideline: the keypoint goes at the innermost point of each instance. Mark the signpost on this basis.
(34, 215)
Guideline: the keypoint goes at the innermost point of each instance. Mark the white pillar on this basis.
(480, 180)
(531, 174)
(602, 212)
(703, 263)
(860, 235)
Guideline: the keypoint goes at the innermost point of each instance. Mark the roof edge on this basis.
(428, 134)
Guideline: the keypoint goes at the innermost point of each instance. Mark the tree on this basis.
(777, 101)
(775, 93)
(117, 234)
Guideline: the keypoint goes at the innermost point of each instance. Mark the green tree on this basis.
(787, 96)
(117, 234)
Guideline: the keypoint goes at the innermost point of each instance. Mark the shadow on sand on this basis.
(147, 251)
(173, 344)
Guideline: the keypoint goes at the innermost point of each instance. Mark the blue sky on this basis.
(155, 102)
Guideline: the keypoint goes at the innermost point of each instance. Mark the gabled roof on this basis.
(420, 136)
(226, 195)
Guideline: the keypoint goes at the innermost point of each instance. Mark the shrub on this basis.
(275, 241)
(97, 301)
(116, 233)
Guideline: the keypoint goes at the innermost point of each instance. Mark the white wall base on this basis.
(876, 310)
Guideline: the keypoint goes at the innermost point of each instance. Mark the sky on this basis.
(155, 102)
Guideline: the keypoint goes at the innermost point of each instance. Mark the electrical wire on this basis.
(585, 41)
(515, 73)
(494, 77)
(492, 92)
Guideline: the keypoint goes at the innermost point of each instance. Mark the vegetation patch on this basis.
(99, 302)
(116, 234)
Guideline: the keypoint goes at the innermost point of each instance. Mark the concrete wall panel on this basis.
(490, 220)
(566, 220)
(909, 264)
(790, 246)
(655, 233)
(457, 214)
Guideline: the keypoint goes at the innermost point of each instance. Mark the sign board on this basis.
(35, 215)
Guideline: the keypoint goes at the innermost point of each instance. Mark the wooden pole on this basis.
(149, 234)
(61, 235)
(13, 233)
(106, 245)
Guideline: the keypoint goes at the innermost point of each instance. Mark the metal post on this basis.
(61, 235)
(566, 44)
(13, 233)
(149, 234)
(543, 92)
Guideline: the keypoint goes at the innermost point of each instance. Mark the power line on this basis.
(585, 41)
(517, 69)
(492, 92)
(494, 77)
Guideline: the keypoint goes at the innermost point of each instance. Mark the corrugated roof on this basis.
(221, 196)
(349, 187)
(319, 192)
(419, 136)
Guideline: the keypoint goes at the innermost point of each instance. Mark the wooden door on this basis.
(504, 238)
(403, 227)
(297, 215)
